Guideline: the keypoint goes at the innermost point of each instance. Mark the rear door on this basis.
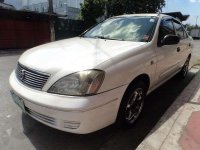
(184, 45)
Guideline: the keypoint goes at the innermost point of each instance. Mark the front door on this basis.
(167, 60)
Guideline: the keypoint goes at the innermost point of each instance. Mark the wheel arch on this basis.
(142, 77)
(190, 55)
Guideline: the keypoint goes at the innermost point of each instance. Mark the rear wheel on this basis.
(185, 69)
(132, 104)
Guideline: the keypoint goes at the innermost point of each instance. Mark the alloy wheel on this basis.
(186, 68)
(134, 105)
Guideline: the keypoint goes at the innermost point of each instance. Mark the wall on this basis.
(22, 30)
(22, 34)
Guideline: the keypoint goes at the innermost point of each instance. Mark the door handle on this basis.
(178, 49)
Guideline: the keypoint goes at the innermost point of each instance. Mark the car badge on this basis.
(23, 72)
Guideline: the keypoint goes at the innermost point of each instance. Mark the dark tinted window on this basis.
(180, 32)
(166, 28)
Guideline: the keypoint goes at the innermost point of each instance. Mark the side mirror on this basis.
(170, 40)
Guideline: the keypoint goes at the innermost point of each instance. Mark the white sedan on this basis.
(86, 83)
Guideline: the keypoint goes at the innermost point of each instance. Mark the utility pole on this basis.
(106, 10)
(197, 21)
(51, 21)
(167, 6)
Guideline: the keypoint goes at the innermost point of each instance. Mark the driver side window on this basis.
(166, 27)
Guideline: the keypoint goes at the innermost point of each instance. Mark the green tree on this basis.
(191, 27)
(118, 7)
(92, 9)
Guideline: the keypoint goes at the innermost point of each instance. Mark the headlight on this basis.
(79, 84)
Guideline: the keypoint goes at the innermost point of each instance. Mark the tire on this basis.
(185, 69)
(132, 104)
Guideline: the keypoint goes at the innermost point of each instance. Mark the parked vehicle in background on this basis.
(195, 33)
(86, 83)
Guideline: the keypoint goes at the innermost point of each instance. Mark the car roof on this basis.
(145, 14)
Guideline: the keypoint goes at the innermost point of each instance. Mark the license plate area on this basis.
(18, 100)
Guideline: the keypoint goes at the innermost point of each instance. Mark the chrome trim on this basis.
(30, 77)
(50, 120)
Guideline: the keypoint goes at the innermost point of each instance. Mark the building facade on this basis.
(70, 9)
(23, 29)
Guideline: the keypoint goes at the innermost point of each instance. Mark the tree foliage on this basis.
(92, 9)
(191, 27)
(118, 7)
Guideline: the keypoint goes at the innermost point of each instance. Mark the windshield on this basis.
(137, 29)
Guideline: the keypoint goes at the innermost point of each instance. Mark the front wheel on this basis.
(132, 104)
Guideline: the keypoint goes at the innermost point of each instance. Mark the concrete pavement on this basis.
(196, 53)
(179, 128)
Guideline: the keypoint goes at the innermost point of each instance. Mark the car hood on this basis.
(74, 54)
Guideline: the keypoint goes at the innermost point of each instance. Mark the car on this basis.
(83, 84)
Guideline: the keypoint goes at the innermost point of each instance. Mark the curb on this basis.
(166, 133)
(11, 51)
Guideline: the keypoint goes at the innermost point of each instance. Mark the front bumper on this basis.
(73, 114)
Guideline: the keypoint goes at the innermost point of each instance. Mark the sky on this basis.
(189, 7)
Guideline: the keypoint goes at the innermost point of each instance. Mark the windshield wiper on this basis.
(103, 37)
(100, 37)
(82, 35)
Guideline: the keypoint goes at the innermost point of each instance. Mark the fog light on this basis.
(71, 125)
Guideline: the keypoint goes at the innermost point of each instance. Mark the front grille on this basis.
(41, 117)
(31, 78)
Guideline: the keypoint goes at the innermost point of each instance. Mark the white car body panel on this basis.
(60, 58)
(122, 62)
(88, 111)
